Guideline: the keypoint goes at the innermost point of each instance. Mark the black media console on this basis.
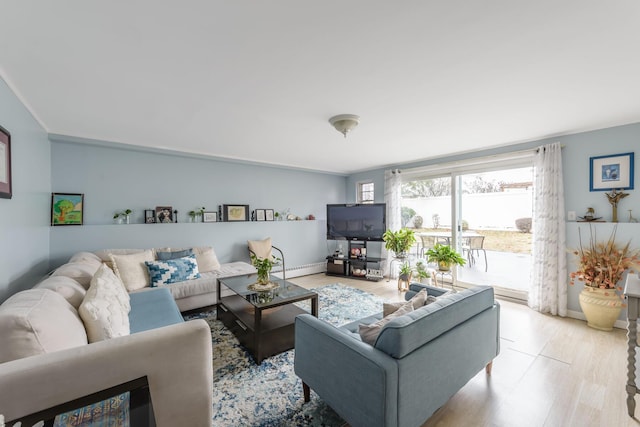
(356, 263)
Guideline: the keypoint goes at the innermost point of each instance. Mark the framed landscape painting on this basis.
(611, 172)
(67, 208)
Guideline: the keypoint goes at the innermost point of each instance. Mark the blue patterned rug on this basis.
(269, 395)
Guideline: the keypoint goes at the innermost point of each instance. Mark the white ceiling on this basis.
(258, 80)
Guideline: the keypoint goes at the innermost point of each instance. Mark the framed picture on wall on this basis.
(268, 214)
(611, 172)
(260, 215)
(5, 164)
(67, 208)
(164, 214)
(210, 217)
(233, 213)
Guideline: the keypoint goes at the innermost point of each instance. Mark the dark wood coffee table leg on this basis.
(257, 324)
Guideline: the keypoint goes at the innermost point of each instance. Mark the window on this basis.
(365, 192)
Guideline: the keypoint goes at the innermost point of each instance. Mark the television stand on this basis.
(356, 264)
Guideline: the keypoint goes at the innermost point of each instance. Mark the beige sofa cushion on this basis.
(27, 329)
(79, 271)
(87, 258)
(369, 333)
(131, 269)
(69, 288)
(103, 312)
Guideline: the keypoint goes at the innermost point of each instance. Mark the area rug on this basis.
(270, 394)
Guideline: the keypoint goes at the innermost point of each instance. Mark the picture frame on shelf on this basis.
(67, 209)
(235, 213)
(164, 214)
(611, 172)
(210, 217)
(149, 216)
(268, 215)
(5, 164)
(260, 215)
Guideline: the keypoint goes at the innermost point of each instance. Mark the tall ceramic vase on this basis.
(601, 307)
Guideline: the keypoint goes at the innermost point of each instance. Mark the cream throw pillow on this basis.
(206, 259)
(112, 284)
(418, 300)
(261, 248)
(132, 270)
(369, 333)
(102, 311)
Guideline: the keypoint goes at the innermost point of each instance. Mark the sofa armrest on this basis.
(415, 287)
(175, 359)
(359, 382)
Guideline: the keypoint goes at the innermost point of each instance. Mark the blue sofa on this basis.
(417, 363)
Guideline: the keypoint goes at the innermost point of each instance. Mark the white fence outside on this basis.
(485, 210)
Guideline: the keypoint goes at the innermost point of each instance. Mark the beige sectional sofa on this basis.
(56, 346)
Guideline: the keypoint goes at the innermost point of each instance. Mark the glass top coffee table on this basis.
(263, 322)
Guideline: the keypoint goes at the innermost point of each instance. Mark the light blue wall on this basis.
(24, 219)
(578, 148)
(114, 177)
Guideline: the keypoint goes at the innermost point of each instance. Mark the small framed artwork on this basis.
(235, 212)
(268, 214)
(611, 172)
(67, 208)
(149, 216)
(5, 164)
(260, 215)
(210, 217)
(164, 214)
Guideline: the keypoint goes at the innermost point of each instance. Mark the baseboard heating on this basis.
(303, 270)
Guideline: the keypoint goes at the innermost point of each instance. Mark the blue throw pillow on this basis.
(164, 256)
(173, 270)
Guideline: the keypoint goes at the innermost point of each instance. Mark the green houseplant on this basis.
(124, 215)
(405, 272)
(445, 256)
(399, 241)
(264, 266)
(423, 274)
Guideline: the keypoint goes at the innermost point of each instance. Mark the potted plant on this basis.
(195, 213)
(423, 274)
(264, 266)
(399, 241)
(405, 272)
(124, 215)
(600, 267)
(445, 256)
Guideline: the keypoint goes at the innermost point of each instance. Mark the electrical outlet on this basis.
(571, 215)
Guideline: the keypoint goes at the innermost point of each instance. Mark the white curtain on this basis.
(392, 196)
(548, 288)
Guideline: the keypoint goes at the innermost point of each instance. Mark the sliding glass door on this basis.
(485, 212)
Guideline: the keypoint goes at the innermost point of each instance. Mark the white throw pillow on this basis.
(206, 259)
(112, 284)
(38, 321)
(69, 288)
(131, 269)
(102, 312)
(369, 333)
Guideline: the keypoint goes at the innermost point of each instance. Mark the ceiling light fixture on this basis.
(344, 123)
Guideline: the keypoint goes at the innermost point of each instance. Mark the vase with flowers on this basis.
(601, 266)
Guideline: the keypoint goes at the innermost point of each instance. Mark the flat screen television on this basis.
(356, 222)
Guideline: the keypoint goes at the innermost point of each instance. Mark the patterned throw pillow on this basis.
(164, 256)
(173, 270)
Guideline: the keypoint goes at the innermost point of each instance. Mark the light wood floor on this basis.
(551, 371)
